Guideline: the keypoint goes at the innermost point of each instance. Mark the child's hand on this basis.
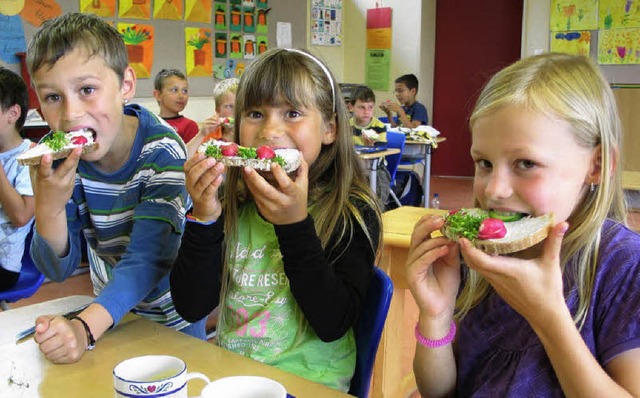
(284, 202)
(204, 175)
(210, 125)
(533, 287)
(367, 141)
(433, 270)
(52, 188)
(393, 107)
(60, 340)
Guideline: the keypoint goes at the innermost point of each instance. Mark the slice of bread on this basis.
(521, 234)
(292, 158)
(33, 156)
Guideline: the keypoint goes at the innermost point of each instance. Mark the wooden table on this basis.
(388, 380)
(34, 376)
(631, 180)
(427, 147)
(374, 159)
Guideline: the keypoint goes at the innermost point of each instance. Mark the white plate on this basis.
(244, 387)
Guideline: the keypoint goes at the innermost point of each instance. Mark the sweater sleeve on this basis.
(329, 286)
(196, 275)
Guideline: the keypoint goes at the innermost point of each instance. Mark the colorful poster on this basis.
(619, 46)
(11, 7)
(248, 20)
(168, 9)
(249, 45)
(220, 17)
(218, 70)
(235, 19)
(615, 14)
(12, 38)
(262, 4)
(138, 9)
(37, 11)
(139, 41)
(103, 8)
(326, 22)
(235, 45)
(377, 69)
(198, 55)
(575, 43)
(567, 15)
(198, 11)
(263, 44)
(261, 21)
(221, 45)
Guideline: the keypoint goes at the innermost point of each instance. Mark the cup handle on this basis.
(197, 375)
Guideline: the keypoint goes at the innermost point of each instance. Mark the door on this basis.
(474, 39)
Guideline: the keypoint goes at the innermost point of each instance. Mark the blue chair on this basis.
(394, 140)
(29, 281)
(385, 119)
(369, 331)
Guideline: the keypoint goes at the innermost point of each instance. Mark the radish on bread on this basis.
(261, 158)
(59, 145)
(516, 235)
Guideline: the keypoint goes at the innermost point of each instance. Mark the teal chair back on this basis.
(369, 331)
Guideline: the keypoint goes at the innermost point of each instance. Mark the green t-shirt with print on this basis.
(261, 318)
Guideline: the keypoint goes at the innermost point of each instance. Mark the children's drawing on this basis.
(103, 8)
(249, 46)
(138, 9)
(168, 9)
(248, 20)
(198, 11)
(235, 46)
(220, 17)
(198, 55)
(619, 46)
(615, 14)
(576, 43)
(574, 15)
(139, 41)
(263, 44)
(221, 45)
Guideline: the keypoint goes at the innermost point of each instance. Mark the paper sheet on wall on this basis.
(283, 35)
(377, 68)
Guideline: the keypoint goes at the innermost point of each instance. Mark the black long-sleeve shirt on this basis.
(328, 286)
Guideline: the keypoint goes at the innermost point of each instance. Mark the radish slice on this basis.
(492, 228)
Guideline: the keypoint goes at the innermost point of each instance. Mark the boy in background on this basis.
(127, 198)
(410, 112)
(172, 93)
(361, 106)
(220, 125)
(16, 194)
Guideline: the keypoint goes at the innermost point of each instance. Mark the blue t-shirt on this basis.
(12, 237)
(417, 111)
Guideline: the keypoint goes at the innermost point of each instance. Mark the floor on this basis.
(454, 193)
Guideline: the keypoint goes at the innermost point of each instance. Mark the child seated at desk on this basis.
(16, 193)
(409, 111)
(361, 106)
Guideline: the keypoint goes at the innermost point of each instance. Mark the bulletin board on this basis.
(188, 35)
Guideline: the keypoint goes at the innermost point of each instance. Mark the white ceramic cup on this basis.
(244, 387)
(153, 376)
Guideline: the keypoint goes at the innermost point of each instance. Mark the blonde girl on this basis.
(300, 249)
(560, 319)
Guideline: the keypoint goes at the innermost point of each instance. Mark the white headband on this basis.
(324, 69)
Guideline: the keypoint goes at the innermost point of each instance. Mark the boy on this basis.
(16, 194)
(361, 105)
(172, 93)
(215, 127)
(410, 112)
(128, 197)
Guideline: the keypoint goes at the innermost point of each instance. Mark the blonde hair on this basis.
(225, 86)
(573, 89)
(336, 179)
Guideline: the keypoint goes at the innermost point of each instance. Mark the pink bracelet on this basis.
(436, 343)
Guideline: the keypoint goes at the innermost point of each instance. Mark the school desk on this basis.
(25, 373)
(374, 159)
(389, 381)
(425, 149)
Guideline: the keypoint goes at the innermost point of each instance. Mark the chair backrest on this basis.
(29, 280)
(369, 331)
(395, 139)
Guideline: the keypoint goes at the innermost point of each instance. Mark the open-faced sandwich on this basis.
(261, 158)
(59, 145)
(496, 232)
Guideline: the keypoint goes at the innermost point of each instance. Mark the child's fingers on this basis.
(553, 243)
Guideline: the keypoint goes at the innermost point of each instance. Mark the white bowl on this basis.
(244, 387)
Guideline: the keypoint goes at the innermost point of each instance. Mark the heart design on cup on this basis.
(151, 388)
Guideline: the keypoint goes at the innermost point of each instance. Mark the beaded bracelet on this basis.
(92, 342)
(436, 343)
(199, 221)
